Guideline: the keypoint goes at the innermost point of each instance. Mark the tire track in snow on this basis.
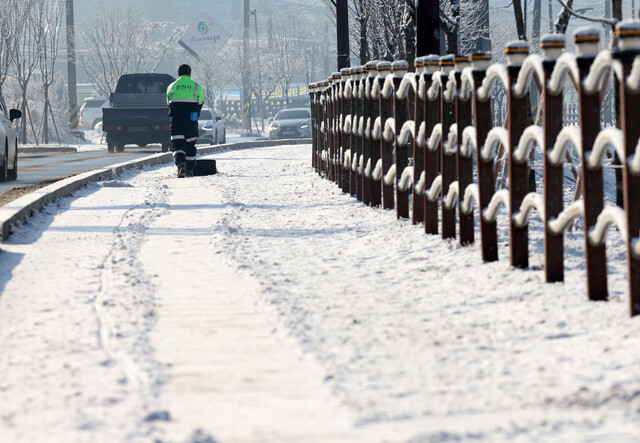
(124, 285)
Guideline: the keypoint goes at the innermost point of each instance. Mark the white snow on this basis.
(262, 304)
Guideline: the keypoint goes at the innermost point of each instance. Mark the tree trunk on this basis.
(519, 16)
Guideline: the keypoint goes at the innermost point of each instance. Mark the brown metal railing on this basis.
(423, 143)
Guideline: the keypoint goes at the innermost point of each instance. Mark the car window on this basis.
(137, 85)
(94, 103)
(205, 114)
(293, 114)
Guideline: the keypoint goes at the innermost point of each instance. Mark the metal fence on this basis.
(428, 143)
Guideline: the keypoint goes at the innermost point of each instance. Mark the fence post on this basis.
(431, 158)
(465, 163)
(628, 34)
(337, 99)
(358, 140)
(486, 179)
(386, 146)
(353, 141)
(324, 130)
(418, 151)
(314, 120)
(553, 176)
(587, 40)
(367, 141)
(448, 163)
(519, 118)
(375, 190)
(335, 133)
(402, 152)
(345, 110)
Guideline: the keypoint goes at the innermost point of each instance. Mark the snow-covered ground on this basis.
(261, 304)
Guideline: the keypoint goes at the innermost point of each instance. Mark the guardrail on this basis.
(384, 134)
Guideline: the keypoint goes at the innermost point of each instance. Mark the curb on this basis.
(21, 209)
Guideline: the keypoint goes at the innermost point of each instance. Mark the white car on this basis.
(8, 143)
(211, 128)
(91, 111)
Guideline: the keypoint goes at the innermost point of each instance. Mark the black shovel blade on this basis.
(205, 167)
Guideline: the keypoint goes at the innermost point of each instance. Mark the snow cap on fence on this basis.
(336, 76)
(628, 32)
(371, 68)
(447, 63)
(431, 63)
(384, 69)
(516, 51)
(400, 68)
(345, 73)
(419, 65)
(587, 40)
(480, 60)
(357, 71)
(552, 46)
(461, 62)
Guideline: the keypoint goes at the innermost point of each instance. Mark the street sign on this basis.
(204, 37)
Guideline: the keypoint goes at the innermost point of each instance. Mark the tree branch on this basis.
(607, 21)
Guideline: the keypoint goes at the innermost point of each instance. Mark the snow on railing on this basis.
(408, 129)
(569, 135)
(532, 65)
(557, 225)
(530, 202)
(611, 216)
(530, 137)
(495, 138)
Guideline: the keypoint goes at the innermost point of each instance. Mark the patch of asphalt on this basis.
(32, 198)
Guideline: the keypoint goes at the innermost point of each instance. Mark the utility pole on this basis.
(342, 15)
(254, 12)
(246, 90)
(71, 69)
(428, 27)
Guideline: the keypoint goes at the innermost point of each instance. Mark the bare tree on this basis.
(10, 32)
(49, 15)
(116, 42)
(26, 48)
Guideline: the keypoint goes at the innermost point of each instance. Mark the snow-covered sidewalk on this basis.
(261, 304)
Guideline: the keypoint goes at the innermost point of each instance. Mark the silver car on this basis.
(291, 123)
(8, 143)
(211, 128)
(91, 111)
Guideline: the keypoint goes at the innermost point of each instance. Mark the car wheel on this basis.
(165, 146)
(224, 135)
(215, 138)
(95, 123)
(5, 164)
(13, 173)
(119, 148)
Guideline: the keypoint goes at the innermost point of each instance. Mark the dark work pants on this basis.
(184, 152)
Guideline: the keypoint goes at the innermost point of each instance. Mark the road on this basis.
(35, 168)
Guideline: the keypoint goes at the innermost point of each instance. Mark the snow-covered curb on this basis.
(22, 208)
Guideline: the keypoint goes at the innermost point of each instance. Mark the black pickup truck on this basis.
(138, 112)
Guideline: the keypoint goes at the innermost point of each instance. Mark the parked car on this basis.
(91, 111)
(8, 143)
(291, 123)
(211, 128)
(137, 112)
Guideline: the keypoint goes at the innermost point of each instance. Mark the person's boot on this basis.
(182, 169)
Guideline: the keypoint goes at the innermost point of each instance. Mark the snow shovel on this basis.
(205, 167)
